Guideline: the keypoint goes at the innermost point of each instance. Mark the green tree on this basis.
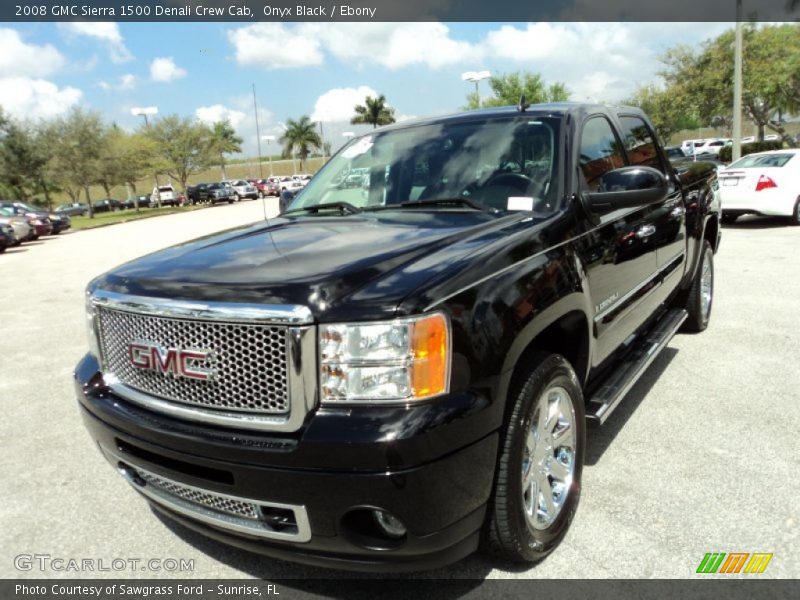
(126, 159)
(508, 88)
(182, 147)
(299, 139)
(77, 143)
(373, 112)
(23, 158)
(224, 140)
(658, 103)
(701, 83)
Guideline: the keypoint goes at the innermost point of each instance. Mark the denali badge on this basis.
(181, 363)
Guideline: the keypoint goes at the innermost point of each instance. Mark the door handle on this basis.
(645, 231)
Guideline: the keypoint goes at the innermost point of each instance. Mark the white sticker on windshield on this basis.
(520, 203)
(360, 147)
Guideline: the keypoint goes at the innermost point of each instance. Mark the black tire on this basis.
(236, 198)
(230, 201)
(729, 219)
(699, 314)
(508, 533)
(795, 218)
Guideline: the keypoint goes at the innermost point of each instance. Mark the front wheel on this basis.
(795, 218)
(539, 471)
(701, 294)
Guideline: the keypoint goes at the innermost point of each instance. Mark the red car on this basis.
(266, 187)
(38, 219)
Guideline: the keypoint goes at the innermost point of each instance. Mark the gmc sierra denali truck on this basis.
(386, 376)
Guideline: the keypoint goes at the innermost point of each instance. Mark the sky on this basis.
(207, 70)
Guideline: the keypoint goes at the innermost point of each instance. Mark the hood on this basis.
(318, 261)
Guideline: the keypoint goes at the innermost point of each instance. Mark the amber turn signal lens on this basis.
(429, 346)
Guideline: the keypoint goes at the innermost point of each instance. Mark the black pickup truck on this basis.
(387, 376)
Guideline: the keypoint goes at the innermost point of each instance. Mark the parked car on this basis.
(711, 147)
(143, 201)
(106, 205)
(213, 193)
(674, 152)
(39, 219)
(267, 187)
(764, 183)
(167, 194)
(7, 239)
(23, 230)
(688, 145)
(194, 193)
(302, 178)
(73, 209)
(242, 189)
(390, 381)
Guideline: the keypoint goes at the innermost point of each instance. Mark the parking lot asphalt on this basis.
(702, 456)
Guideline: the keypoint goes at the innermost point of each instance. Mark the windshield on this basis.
(762, 160)
(498, 163)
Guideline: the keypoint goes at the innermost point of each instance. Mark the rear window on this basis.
(763, 160)
(165, 188)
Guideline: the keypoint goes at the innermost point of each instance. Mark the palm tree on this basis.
(223, 141)
(373, 111)
(299, 138)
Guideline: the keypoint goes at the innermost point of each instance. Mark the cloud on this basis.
(124, 83)
(26, 60)
(165, 70)
(275, 46)
(27, 98)
(336, 105)
(106, 32)
(217, 112)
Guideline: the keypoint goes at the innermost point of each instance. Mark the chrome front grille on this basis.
(259, 518)
(239, 508)
(247, 361)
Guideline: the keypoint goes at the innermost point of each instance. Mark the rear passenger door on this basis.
(618, 254)
(669, 216)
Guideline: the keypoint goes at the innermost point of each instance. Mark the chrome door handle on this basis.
(645, 231)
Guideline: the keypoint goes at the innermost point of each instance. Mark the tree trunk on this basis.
(222, 167)
(46, 194)
(778, 128)
(89, 202)
(107, 189)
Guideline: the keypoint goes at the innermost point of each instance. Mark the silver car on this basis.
(22, 230)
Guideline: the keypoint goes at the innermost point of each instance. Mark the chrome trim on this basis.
(129, 470)
(231, 312)
(621, 302)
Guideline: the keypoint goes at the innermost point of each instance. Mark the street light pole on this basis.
(736, 151)
(476, 77)
(258, 134)
(144, 112)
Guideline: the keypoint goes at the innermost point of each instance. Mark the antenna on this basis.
(258, 142)
(522, 106)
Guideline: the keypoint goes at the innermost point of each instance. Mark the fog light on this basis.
(390, 525)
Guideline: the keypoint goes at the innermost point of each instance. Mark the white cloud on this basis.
(165, 70)
(217, 112)
(275, 46)
(27, 98)
(106, 32)
(26, 60)
(336, 105)
(124, 83)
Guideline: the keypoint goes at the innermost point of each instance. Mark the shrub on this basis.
(725, 153)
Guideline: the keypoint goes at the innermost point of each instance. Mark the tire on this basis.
(698, 306)
(514, 530)
(795, 218)
(729, 219)
(236, 198)
(230, 200)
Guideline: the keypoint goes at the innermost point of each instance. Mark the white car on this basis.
(710, 146)
(242, 189)
(166, 194)
(765, 183)
(688, 146)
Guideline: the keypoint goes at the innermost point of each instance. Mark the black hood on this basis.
(316, 261)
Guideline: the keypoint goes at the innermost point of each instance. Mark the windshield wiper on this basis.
(454, 201)
(345, 207)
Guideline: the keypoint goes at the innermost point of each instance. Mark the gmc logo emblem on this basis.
(177, 361)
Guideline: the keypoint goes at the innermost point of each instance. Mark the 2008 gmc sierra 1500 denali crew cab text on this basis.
(389, 374)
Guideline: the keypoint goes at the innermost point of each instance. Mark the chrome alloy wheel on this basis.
(548, 462)
(706, 284)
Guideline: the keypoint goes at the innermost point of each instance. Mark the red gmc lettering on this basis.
(170, 360)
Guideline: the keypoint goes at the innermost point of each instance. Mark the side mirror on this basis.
(627, 187)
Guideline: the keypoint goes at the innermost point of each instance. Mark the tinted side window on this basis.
(639, 143)
(600, 151)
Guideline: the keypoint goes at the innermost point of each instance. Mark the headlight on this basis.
(404, 360)
(91, 327)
